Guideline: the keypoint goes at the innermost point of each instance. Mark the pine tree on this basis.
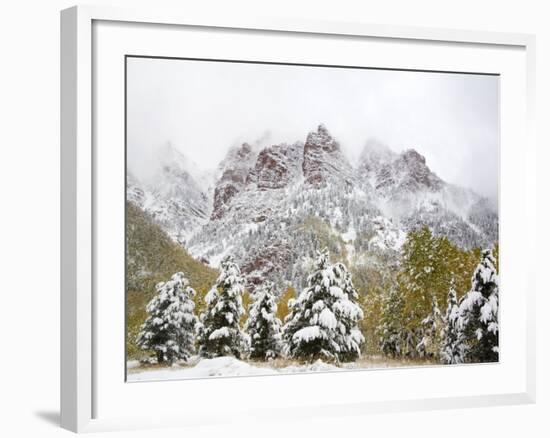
(452, 348)
(263, 326)
(430, 344)
(478, 313)
(349, 314)
(219, 331)
(169, 329)
(323, 319)
(391, 327)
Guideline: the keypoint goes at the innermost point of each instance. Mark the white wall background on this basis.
(29, 215)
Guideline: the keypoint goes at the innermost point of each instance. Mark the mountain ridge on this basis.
(257, 207)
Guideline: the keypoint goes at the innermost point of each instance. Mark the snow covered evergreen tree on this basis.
(263, 326)
(323, 319)
(430, 344)
(349, 314)
(391, 327)
(478, 313)
(169, 329)
(219, 331)
(452, 348)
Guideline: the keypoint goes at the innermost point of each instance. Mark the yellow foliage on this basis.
(282, 305)
(247, 299)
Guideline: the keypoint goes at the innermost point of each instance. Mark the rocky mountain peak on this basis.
(392, 174)
(412, 157)
(244, 151)
(322, 139)
(323, 159)
(414, 172)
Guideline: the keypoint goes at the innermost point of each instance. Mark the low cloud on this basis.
(203, 108)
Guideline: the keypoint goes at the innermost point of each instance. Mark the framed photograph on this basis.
(291, 217)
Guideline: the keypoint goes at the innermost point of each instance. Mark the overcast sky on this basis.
(203, 108)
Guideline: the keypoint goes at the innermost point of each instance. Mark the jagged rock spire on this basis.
(324, 161)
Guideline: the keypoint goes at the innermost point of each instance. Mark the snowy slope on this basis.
(176, 196)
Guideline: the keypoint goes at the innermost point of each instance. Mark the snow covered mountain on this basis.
(409, 193)
(175, 197)
(272, 207)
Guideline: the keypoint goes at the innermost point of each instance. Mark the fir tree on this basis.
(323, 320)
(263, 326)
(478, 313)
(411, 338)
(391, 328)
(430, 344)
(349, 314)
(219, 331)
(452, 348)
(169, 329)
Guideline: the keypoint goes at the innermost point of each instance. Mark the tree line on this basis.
(323, 321)
(432, 273)
(326, 319)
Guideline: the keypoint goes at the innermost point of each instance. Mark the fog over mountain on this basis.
(204, 108)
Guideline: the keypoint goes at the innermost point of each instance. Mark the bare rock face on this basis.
(277, 166)
(235, 170)
(247, 175)
(263, 262)
(323, 160)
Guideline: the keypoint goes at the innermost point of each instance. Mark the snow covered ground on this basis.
(231, 367)
(221, 366)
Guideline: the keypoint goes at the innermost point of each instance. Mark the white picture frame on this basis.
(81, 374)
